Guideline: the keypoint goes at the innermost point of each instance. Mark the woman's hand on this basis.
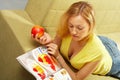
(45, 39)
(53, 49)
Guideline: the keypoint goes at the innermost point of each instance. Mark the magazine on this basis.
(42, 66)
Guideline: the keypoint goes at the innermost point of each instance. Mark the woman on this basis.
(77, 44)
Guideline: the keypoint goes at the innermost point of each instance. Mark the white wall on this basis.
(12, 4)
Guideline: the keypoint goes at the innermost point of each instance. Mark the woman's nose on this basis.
(74, 31)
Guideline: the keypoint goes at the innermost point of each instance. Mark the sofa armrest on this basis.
(15, 26)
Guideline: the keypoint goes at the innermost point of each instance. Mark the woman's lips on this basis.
(74, 36)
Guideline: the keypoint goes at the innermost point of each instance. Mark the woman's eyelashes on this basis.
(79, 27)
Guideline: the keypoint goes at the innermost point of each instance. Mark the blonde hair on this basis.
(79, 8)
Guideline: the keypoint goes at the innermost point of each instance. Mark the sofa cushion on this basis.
(37, 9)
(98, 77)
(53, 16)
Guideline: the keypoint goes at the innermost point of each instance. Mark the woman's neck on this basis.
(77, 46)
(83, 41)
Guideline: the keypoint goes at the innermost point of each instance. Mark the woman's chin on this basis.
(75, 38)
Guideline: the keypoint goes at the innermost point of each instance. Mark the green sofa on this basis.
(15, 27)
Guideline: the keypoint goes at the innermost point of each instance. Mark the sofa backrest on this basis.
(37, 9)
(107, 14)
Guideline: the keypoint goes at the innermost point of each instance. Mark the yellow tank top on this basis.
(94, 50)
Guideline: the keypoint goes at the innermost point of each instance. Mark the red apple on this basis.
(37, 30)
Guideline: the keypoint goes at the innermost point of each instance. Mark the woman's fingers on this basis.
(43, 39)
(52, 46)
(52, 49)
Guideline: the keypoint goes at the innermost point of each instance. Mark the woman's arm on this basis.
(87, 69)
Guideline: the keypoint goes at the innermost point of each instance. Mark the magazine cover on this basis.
(42, 66)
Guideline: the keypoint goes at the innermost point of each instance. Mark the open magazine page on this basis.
(42, 66)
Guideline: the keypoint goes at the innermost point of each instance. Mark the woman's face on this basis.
(78, 27)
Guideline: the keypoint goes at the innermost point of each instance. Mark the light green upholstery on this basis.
(15, 37)
(15, 26)
(39, 10)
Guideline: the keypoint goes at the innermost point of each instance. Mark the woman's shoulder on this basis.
(95, 43)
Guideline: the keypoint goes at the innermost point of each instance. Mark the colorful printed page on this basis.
(60, 75)
(42, 66)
